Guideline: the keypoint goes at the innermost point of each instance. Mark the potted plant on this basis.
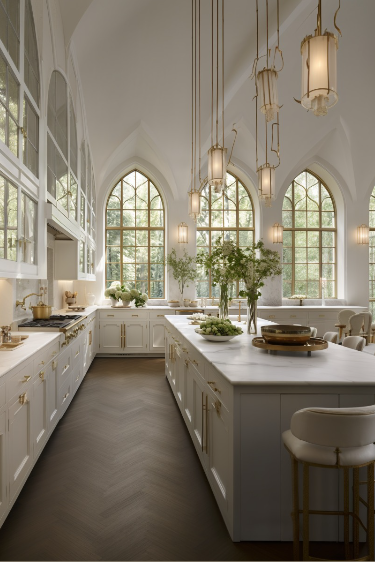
(117, 292)
(183, 269)
(138, 298)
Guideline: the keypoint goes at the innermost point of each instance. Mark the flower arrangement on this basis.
(218, 327)
(118, 292)
(183, 269)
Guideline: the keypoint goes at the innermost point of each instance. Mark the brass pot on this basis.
(286, 334)
(41, 311)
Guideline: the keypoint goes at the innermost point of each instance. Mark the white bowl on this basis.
(216, 338)
(174, 304)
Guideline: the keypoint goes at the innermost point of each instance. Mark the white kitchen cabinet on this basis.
(178, 379)
(20, 453)
(135, 336)
(130, 336)
(39, 410)
(52, 395)
(199, 414)
(157, 335)
(111, 336)
(3, 466)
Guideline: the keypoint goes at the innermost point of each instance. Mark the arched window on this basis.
(228, 214)
(10, 28)
(309, 243)
(372, 252)
(31, 66)
(135, 237)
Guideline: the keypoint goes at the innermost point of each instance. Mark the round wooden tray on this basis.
(314, 344)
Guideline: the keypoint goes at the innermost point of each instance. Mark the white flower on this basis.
(134, 293)
(107, 293)
(118, 294)
(144, 297)
(126, 296)
(227, 248)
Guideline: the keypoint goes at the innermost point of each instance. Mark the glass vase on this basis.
(224, 302)
(252, 318)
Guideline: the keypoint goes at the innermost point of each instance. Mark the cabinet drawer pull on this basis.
(54, 353)
(271, 316)
(218, 407)
(23, 399)
(90, 337)
(212, 385)
(54, 365)
(65, 397)
(187, 363)
(184, 349)
(161, 315)
(42, 363)
(77, 353)
(110, 315)
(195, 362)
(41, 375)
(26, 378)
(134, 315)
(293, 315)
(321, 315)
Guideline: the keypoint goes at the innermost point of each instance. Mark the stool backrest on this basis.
(367, 322)
(331, 336)
(356, 322)
(314, 332)
(344, 315)
(335, 427)
(354, 342)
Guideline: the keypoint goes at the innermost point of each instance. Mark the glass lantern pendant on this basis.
(266, 182)
(217, 167)
(194, 204)
(319, 70)
(267, 93)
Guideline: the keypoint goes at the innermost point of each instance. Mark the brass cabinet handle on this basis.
(205, 438)
(54, 365)
(202, 421)
(64, 343)
(271, 316)
(321, 315)
(77, 353)
(90, 337)
(184, 349)
(23, 399)
(110, 315)
(161, 315)
(293, 315)
(187, 363)
(121, 335)
(42, 363)
(65, 397)
(41, 375)
(26, 378)
(54, 353)
(124, 336)
(212, 385)
(134, 315)
(195, 362)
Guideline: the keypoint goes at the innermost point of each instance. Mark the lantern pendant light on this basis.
(217, 155)
(319, 68)
(267, 99)
(194, 193)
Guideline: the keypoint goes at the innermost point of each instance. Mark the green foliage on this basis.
(219, 262)
(218, 327)
(183, 269)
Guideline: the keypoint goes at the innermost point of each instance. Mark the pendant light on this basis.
(217, 167)
(267, 99)
(319, 68)
(194, 193)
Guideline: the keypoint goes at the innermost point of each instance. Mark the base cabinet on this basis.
(157, 336)
(3, 466)
(130, 336)
(39, 410)
(20, 450)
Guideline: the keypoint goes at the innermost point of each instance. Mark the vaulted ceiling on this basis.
(134, 59)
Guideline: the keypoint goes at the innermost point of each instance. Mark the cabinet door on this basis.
(20, 443)
(135, 336)
(219, 456)
(178, 380)
(91, 343)
(39, 417)
(110, 336)
(188, 395)
(157, 335)
(3, 465)
(85, 351)
(52, 395)
(199, 415)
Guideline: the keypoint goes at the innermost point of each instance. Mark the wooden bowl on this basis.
(284, 334)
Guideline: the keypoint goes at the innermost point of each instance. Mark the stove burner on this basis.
(56, 321)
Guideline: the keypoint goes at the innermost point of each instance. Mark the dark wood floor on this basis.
(120, 480)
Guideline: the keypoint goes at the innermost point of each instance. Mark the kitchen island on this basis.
(237, 400)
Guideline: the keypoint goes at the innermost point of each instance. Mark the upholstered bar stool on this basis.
(338, 438)
(331, 336)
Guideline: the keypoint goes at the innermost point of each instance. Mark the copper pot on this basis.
(41, 311)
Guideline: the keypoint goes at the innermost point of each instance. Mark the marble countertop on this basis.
(242, 364)
(34, 343)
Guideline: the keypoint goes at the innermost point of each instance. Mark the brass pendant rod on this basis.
(195, 94)
(267, 28)
(212, 72)
(217, 71)
(278, 24)
(192, 92)
(199, 84)
(256, 97)
(319, 18)
(222, 72)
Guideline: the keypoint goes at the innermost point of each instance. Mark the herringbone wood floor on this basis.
(120, 480)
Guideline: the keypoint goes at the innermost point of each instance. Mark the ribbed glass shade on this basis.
(266, 182)
(194, 204)
(363, 234)
(319, 73)
(268, 98)
(183, 233)
(277, 233)
(217, 166)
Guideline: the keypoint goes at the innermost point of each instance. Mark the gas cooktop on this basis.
(57, 322)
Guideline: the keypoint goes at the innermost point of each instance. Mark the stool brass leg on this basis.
(306, 555)
(356, 511)
(346, 513)
(295, 508)
(370, 510)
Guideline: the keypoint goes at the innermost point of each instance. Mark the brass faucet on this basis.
(22, 303)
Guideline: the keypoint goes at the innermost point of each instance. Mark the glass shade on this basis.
(217, 166)
(319, 73)
(277, 233)
(183, 233)
(267, 93)
(194, 204)
(363, 234)
(266, 182)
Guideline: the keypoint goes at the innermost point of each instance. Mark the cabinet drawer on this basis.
(220, 387)
(64, 367)
(45, 356)
(20, 382)
(197, 361)
(323, 315)
(124, 314)
(154, 314)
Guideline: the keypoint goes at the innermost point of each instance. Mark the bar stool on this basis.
(339, 438)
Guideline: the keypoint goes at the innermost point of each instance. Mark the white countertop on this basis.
(35, 342)
(242, 364)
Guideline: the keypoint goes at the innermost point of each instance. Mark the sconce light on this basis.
(277, 233)
(362, 234)
(183, 233)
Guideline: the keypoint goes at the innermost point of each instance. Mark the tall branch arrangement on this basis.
(183, 269)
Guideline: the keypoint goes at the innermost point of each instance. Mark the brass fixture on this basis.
(22, 303)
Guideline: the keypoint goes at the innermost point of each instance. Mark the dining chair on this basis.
(360, 325)
(343, 320)
(331, 337)
(354, 342)
(314, 332)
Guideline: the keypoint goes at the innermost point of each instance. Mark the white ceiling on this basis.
(134, 59)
